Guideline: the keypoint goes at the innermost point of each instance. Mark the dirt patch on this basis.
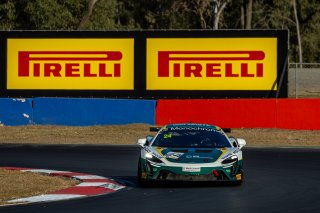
(16, 184)
(121, 134)
(129, 134)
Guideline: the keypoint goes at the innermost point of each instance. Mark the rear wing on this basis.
(157, 128)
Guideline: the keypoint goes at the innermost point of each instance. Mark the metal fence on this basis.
(304, 80)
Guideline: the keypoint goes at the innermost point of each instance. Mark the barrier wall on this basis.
(242, 113)
(224, 113)
(15, 111)
(233, 113)
(298, 113)
(84, 111)
(75, 112)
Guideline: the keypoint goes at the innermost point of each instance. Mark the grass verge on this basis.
(16, 184)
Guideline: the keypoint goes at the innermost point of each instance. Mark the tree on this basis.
(88, 13)
(7, 15)
(246, 14)
(219, 6)
(103, 16)
(273, 14)
(298, 30)
(200, 13)
(172, 14)
(40, 14)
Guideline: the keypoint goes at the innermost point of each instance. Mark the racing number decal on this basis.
(169, 135)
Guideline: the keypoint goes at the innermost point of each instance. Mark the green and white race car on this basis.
(190, 152)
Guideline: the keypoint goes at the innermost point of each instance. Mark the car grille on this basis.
(203, 151)
(179, 150)
(167, 175)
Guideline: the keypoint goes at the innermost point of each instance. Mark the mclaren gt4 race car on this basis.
(190, 152)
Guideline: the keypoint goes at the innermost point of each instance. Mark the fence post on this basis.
(296, 80)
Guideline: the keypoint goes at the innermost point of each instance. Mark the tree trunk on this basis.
(202, 21)
(215, 11)
(86, 17)
(298, 31)
(218, 14)
(249, 14)
(242, 18)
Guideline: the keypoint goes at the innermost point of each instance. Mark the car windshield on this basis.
(191, 138)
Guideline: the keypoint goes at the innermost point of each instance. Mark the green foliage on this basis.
(7, 15)
(166, 14)
(41, 14)
(103, 16)
(51, 14)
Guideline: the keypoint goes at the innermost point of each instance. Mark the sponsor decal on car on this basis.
(191, 169)
(198, 156)
(174, 155)
(193, 128)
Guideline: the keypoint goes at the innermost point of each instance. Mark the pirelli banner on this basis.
(144, 64)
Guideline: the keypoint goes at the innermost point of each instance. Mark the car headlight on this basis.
(152, 158)
(231, 159)
(148, 155)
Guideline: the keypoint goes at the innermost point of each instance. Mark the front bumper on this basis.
(152, 171)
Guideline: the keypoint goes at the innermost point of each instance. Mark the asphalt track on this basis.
(276, 180)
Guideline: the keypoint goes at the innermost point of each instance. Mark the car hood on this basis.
(193, 155)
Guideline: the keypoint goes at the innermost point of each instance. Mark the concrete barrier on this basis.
(242, 113)
(298, 113)
(15, 112)
(233, 113)
(86, 111)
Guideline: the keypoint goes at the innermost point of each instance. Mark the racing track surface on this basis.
(276, 180)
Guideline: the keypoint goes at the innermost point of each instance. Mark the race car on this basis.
(190, 152)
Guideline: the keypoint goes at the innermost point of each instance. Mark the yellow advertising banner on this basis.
(211, 63)
(70, 64)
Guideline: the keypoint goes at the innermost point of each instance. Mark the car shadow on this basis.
(132, 181)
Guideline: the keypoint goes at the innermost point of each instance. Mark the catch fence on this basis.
(304, 80)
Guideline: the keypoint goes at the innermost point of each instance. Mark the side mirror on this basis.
(142, 142)
(241, 142)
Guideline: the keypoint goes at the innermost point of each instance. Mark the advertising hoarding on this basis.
(70, 64)
(144, 64)
(211, 63)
